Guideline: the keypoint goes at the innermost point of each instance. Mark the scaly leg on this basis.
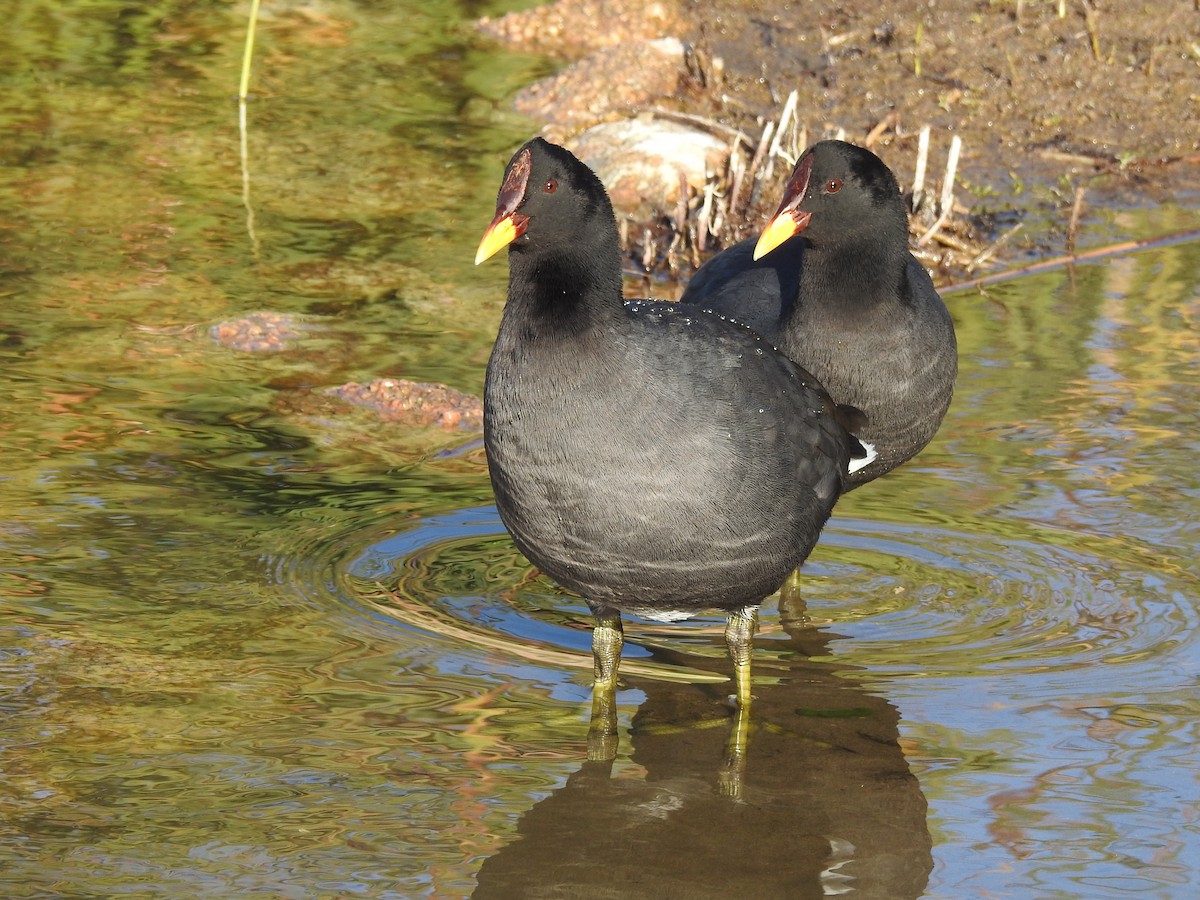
(607, 638)
(791, 602)
(739, 637)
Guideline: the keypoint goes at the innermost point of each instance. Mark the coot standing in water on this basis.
(652, 457)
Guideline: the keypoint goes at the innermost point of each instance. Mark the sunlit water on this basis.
(257, 645)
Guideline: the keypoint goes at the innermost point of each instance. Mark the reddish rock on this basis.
(259, 332)
(415, 403)
(574, 27)
(617, 78)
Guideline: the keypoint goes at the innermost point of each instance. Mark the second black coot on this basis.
(845, 299)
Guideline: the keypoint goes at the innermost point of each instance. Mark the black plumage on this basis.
(845, 299)
(655, 458)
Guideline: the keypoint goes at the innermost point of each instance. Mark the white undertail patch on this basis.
(856, 464)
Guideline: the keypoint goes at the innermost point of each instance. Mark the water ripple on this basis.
(929, 599)
(996, 594)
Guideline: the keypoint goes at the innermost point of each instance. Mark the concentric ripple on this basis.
(992, 595)
(929, 599)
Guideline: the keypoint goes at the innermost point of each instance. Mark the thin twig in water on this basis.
(954, 243)
(1175, 237)
(1073, 224)
(883, 125)
(1077, 159)
(243, 141)
(991, 251)
(933, 229)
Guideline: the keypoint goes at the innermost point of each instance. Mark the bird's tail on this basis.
(854, 420)
(862, 455)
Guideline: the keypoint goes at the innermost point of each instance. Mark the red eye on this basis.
(834, 186)
(550, 186)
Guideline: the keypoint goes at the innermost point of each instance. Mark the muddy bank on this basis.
(1061, 107)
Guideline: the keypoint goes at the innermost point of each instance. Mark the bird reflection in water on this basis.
(824, 799)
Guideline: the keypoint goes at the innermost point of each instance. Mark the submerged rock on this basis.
(259, 332)
(414, 402)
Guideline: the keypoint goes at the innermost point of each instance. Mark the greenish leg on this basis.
(793, 611)
(739, 636)
(607, 638)
(789, 591)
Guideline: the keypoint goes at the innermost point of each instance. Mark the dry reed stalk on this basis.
(789, 111)
(993, 248)
(243, 140)
(946, 201)
(1076, 211)
(918, 187)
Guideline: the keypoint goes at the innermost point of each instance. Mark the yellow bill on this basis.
(502, 232)
(778, 230)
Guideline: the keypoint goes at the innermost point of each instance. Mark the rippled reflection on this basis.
(827, 797)
(828, 803)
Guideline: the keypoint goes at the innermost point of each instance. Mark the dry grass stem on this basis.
(1076, 211)
(1090, 17)
(947, 199)
(789, 112)
(918, 185)
(993, 248)
(243, 130)
(735, 200)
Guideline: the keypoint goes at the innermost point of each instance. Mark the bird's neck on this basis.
(564, 293)
(851, 278)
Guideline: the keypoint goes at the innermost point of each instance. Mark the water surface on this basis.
(256, 644)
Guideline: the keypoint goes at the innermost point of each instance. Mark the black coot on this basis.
(655, 458)
(845, 299)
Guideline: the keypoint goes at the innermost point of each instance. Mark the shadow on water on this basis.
(828, 803)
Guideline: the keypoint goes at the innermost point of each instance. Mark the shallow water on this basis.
(256, 644)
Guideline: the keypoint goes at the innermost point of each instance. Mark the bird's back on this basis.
(755, 293)
(672, 458)
(894, 358)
